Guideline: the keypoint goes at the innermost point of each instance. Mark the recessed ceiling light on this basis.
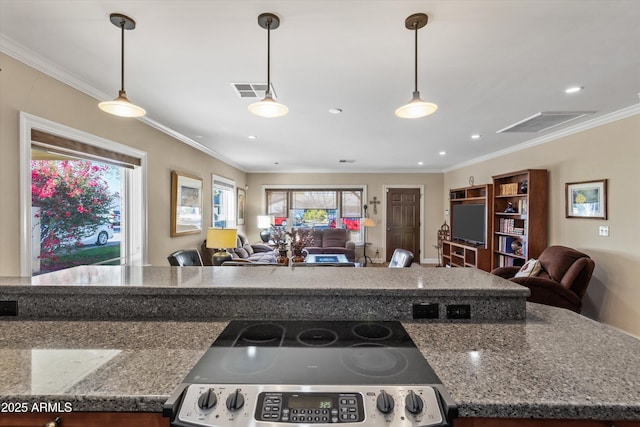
(335, 110)
(252, 137)
(573, 89)
(476, 136)
(420, 163)
(442, 153)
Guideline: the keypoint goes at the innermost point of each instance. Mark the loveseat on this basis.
(244, 251)
(332, 241)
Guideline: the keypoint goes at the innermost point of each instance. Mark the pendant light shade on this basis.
(121, 106)
(416, 107)
(268, 107)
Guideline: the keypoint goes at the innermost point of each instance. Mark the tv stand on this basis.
(457, 253)
(461, 254)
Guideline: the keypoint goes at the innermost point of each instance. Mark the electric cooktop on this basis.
(284, 373)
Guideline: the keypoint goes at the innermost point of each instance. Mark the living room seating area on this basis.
(243, 252)
(332, 241)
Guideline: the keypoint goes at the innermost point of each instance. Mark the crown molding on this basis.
(632, 110)
(33, 60)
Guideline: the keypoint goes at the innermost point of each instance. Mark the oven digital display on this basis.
(310, 402)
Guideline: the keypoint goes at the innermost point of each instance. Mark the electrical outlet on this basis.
(604, 230)
(426, 311)
(459, 311)
(8, 308)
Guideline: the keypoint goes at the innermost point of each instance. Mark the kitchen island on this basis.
(554, 364)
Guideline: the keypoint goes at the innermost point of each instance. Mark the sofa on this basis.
(243, 252)
(332, 241)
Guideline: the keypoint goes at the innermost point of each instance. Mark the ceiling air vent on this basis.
(545, 120)
(252, 90)
(346, 161)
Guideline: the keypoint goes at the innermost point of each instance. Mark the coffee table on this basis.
(328, 259)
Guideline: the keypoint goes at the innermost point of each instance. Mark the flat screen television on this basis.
(468, 223)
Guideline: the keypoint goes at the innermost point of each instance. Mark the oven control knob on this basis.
(385, 402)
(208, 399)
(235, 401)
(413, 403)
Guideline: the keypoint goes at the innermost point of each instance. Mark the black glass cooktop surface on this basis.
(313, 353)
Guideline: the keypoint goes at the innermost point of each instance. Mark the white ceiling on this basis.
(486, 63)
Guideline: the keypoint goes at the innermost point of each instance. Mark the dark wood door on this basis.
(403, 221)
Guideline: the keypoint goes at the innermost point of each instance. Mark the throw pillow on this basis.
(247, 247)
(529, 269)
(242, 253)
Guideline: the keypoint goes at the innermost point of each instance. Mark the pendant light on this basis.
(268, 107)
(416, 107)
(121, 105)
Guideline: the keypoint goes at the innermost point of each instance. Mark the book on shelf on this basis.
(522, 207)
(508, 189)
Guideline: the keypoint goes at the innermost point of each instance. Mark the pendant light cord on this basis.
(122, 55)
(268, 92)
(415, 29)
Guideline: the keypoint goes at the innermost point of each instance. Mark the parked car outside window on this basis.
(100, 236)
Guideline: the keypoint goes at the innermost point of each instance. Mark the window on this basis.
(116, 170)
(224, 206)
(318, 208)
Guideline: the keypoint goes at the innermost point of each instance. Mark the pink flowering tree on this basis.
(73, 199)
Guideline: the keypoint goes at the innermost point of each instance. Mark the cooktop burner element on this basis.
(287, 373)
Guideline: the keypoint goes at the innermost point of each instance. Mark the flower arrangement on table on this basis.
(279, 237)
(300, 238)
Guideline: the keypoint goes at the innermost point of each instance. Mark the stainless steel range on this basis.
(259, 374)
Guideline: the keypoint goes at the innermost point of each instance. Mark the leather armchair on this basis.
(401, 258)
(563, 279)
(185, 257)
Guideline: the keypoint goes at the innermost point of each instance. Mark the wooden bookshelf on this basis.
(525, 223)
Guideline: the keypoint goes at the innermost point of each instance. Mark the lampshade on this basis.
(218, 238)
(265, 221)
(268, 107)
(368, 222)
(121, 106)
(416, 107)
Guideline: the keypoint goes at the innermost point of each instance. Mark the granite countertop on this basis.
(199, 280)
(557, 364)
(210, 293)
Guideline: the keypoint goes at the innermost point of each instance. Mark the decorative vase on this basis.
(297, 256)
(282, 257)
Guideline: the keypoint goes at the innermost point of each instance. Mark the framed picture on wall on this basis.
(186, 204)
(241, 204)
(586, 199)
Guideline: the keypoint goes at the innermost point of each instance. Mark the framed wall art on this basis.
(186, 204)
(587, 199)
(241, 204)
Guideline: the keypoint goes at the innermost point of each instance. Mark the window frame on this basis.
(229, 185)
(313, 187)
(135, 243)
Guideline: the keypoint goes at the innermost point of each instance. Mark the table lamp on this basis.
(221, 238)
(265, 222)
(366, 223)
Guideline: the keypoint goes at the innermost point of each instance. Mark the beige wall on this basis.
(611, 151)
(432, 202)
(25, 89)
